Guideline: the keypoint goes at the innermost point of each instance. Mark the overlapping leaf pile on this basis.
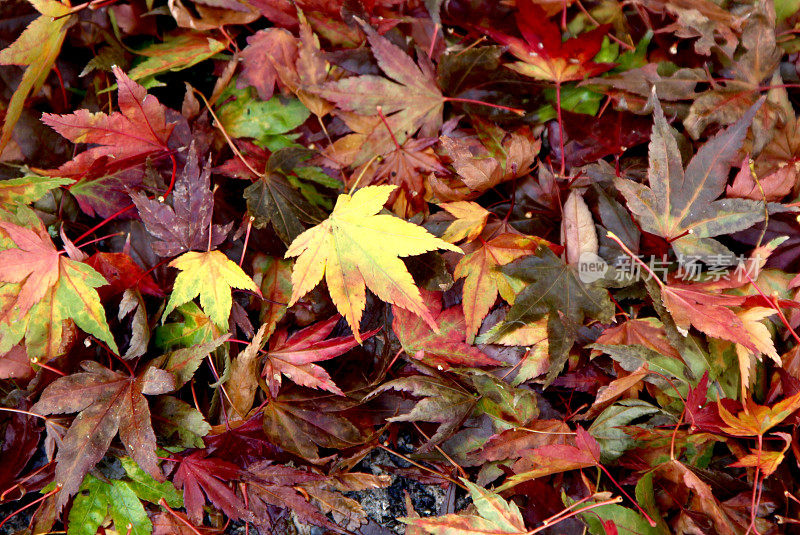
(541, 254)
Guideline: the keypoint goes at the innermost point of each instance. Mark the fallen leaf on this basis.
(36, 49)
(294, 356)
(107, 402)
(350, 250)
(681, 206)
(211, 275)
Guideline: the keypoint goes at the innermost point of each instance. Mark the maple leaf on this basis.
(107, 401)
(755, 420)
(122, 274)
(729, 99)
(470, 220)
(758, 334)
(555, 458)
(53, 288)
(186, 225)
(442, 349)
(680, 205)
(175, 418)
(772, 187)
(707, 312)
(441, 402)
(211, 275)
(301, 423)
(483, 281)
(272, 199)
(92, 505)
(411, 99)
(203, 477)
(28, 189)
(329, 495)
(350, 249)
(122, 139)
(196, 328)
(294, 356)
(37, 49)
(495, 516)
(647, 332)
(553, 286)
(122, 499)
(278, 486)
(405, 166)
(498, 157)
(270, 56)
(178, 51)
(543, 55)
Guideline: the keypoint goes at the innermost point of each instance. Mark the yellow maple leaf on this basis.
(357, 248)
(470, 220)
(211, 275)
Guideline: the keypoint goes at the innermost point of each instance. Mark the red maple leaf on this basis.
(121, 139)
(203, 477)
(543, 55)
(294, 356)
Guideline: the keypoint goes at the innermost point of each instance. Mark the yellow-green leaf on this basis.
(36, 48)
(211, 276)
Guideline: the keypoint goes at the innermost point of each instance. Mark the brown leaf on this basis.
(107, 402)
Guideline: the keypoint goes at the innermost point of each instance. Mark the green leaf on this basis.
(555, 288)
(147, 488)
(243, 115)
(606, 428)
(27, 189)
(176, 53)
(196, 328)
(272, 199)
(97, 498)
(631, 357)
(175, 417)
(627, 521)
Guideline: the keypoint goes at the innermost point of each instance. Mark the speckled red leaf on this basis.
(184, 226)
(122, 273)
(203, 477)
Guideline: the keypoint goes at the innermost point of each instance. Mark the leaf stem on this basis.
(20, 411)
(422, 467)
(636, 258)
(125, 209)
(34, 502)
(163, 503)
(560, 128)
(246, 238)
(379, 109)
(361, 174)
(482, 103)
(543, 527)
